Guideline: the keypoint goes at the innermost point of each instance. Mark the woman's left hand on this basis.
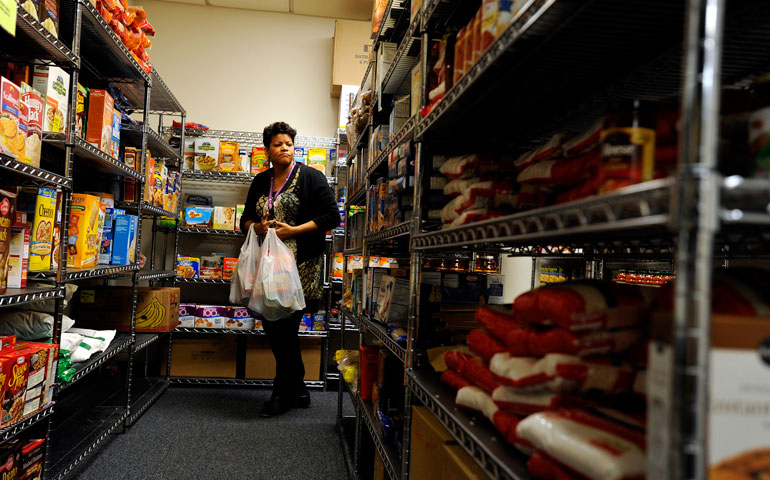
(284, 230)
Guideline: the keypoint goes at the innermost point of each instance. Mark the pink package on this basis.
(239, 318)
(210, 316)
(187, 315)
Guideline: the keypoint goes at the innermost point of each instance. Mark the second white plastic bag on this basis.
(277, 290)
(246, 270)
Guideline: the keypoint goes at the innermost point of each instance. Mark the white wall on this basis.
(517, 273)
(235, 69)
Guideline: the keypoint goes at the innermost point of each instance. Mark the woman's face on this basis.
(281, 150)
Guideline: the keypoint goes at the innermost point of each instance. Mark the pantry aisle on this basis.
(216, 433)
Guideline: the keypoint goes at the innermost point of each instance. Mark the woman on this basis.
(295, 200)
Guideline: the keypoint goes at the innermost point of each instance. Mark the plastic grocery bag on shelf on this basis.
(277, 291)
(245, 271)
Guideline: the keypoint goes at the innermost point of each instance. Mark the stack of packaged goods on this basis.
(347, 365)
(28, 374)
(199, 212)
(131, 26)
(360, 116)
(390, 198)
(217, 266)
(231, 317)
(22, 458)
(561, 377)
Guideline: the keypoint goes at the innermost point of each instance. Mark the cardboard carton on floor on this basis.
(260, 362)
(460, 465)
(428, 445)
(203, 357)
(107, 308)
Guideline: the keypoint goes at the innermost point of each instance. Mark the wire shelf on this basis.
(239, 382)
(99, 160)
(132, 135)
(387, 453)
(228, 331)
(154, 390)
(119, 344)
(407, 56)
(205, 281)
(33, 39)
(155, 274)
(382, 335)
(144, 340)
(220, 177)
(396, 231)
(404, 134)
(22, 170)
(162, 100)
(19, 296)
(210, 231)
(12, 431)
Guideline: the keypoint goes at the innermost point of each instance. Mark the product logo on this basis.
(5, 207)
(58, 86)
(764, 351)
(618, 150)
(17, 375)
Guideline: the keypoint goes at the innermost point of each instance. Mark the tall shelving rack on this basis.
(235, 183)
(88, 49)
(556, 68)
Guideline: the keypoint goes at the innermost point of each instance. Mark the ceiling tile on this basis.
(264, 5)
(350, 9)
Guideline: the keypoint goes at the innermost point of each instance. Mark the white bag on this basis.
(94, 341)
(245, 271)
(277, 291)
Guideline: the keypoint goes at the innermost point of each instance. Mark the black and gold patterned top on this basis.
(305, 196)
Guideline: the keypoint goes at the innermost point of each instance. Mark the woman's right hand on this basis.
(260, 228)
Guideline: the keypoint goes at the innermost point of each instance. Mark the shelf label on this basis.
(8, 16)
(87, 296)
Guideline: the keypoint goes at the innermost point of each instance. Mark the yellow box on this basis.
(229, 161)
(83, 231)
(224, 218)
(41, 239)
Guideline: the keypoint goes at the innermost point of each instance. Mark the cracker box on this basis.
(18, 260)
(211, 267)
(41, 241)
(124, 240)
(15, 372)
(199, 217)
(187, 315)
(316, 158)
(12, 141)
(35, 111)
(228, 268)
(238, 214)
(229, 161)
(115, 139)
(53, 83)
(81, 111)
(206, 154)
(187, 267)
(210, 316)
(83, 231)
(49, 16)
(99, 127)
(239, 318)
(259, 161)
(224, 218)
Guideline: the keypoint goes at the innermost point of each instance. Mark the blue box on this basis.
(300, 154)
(105, 249)
(124, 239)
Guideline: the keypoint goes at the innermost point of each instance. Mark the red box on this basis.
(228, 268)
(46, 358)
(32, 454)
(7, 342)
(369, 368)
(14, 372)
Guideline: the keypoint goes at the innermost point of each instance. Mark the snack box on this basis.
(210, 316)
(229, 161)
(206, 153)
(99, 127)
(14, 371)
(115, 140)
(224, 218)
(81, 111)
(259, 161)
(18, 259)
(53, 84)
(198, 216)
(210, 267)
(187, 267)
(105, 248)
(306, 324)
(187, 315)
(49, 16)
(32, 458)
(83, 231)
(319, 321)
(238, 214)
(228, 268)
(239, 318)
(41, 236)
(130, 157)
(35, 112)
(316, 158)
(12, 140)
(124, 240)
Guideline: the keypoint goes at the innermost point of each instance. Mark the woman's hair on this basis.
(277, 128)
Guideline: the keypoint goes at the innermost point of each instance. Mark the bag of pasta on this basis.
(277, 291)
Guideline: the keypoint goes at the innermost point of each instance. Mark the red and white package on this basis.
(463, 166)
(489, 188)
(527, 403)
(562, 171)
(458, 186)
(506, 201)
(585, 141)
(454, 379)
(472, 370)
(476, 215)
(452, 210)
(585, 189)
(530, 196)
(550, 149)
(561, 373)
(591, 446)
(543, 467)
(582, 306)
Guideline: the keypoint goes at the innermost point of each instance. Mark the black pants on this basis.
(282, 335)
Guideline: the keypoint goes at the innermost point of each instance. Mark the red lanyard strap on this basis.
(271, 196)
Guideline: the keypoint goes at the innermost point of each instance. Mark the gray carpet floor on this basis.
(216, 433)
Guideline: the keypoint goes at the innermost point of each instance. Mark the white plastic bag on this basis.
(94, 341)
(277, 291)
(245, 271)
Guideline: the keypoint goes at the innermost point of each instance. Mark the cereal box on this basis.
(159, 178)
(124, 240)
(12, 141)
(105, 202)
(187, 315)
(53, 83)
(210, 316)
(238, 214)
(198, 216)
(7, 205)
(15, 373)
(105, 249)
(189, 154)
(239, 318)
(35, 109)
(81, 111)
(187, 267)
(83, 231)
(228, 157)
(206, 153)
(224, 218)
(228, 268)
(99, 127)
(316, 158)
(41, 241)
(115, 140)
(259, 161)
(18, 259)
(300, 154)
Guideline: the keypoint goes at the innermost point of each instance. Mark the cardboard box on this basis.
(53, 83)
(105, 248)
(206, 153)
(41, 236)
(260, 362)
(379, 467)
(130, 157)
(187, 315)
(12, 139)
(429, 440)
(149, 174)
(18, 259)
(81, 111)
(32, 457)
(228, 268)
(124, 240)
(460, 465)
(99, 127)
(189, 154)
(36, 110)
(224, 218)
(259, 162)
(352, 42)
(108, 308)
(83, 231)
(47, 358)
(115, 139)
(188, 267)
(229, 161)
(14, 371)
(200, 217)
(204, 357)
(239, 318)
(210, 316)
(238, 213)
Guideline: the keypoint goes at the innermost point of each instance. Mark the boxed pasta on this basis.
(35, 110)
(12, 140)
(53, 83)
(224, 218)
(206, 153)
(41, 241)
(228, 157)
(83, 231)
(100, 113)
(259, 161)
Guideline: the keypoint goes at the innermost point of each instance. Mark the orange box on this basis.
(228, 268)
(149, 175)
(82, 248)
(100, 109)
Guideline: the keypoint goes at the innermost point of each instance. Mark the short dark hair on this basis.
(277, 128)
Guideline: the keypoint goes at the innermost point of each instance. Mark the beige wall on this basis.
(238, 69)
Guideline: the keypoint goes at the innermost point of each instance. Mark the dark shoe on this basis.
(302, 400)
(275, 406)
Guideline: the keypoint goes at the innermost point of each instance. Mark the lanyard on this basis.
(271, 196)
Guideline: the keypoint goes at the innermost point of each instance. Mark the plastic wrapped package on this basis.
(476, 215)
(562, 171)
(586, 189)
(458, 186)
(589, 445)
(463, 166)
(118, 28)
(550, 149)
(277, 291)
(133, 38)
(93, 341)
